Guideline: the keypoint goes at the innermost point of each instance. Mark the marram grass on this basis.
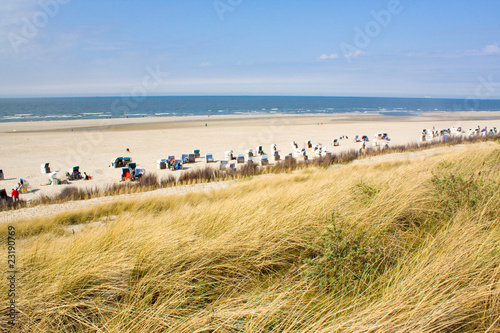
(408, 246)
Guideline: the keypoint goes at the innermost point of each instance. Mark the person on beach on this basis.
(15, 195)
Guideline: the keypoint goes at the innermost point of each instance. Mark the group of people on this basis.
(22, 184)
(76, 175)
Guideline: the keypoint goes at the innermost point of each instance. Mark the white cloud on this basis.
(491, 49)
(485, 51)
(326, 56)
(354, 54)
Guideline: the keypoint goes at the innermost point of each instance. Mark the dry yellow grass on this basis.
(397, 246)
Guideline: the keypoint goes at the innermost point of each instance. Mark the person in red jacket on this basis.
(15, 195)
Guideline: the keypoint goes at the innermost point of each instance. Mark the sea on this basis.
(47, 109)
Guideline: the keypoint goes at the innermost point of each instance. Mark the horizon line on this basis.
(237, 95)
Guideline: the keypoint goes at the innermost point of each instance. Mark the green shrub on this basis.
(455, 192)
(344, 258)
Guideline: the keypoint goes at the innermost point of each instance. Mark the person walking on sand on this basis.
(15, 195)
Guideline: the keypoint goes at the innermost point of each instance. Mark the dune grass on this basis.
(408, 246)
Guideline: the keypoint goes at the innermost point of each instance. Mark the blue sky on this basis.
(405, 48)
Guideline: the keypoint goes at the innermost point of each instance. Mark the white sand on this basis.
(91, 144)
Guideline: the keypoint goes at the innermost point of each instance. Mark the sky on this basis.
(386, 48)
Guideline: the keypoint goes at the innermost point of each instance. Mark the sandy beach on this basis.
(92, 144)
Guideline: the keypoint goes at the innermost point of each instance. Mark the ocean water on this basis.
(36, 109)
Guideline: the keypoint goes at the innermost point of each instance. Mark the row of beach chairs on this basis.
(428, 135)
(176, 164)
(251, 155)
